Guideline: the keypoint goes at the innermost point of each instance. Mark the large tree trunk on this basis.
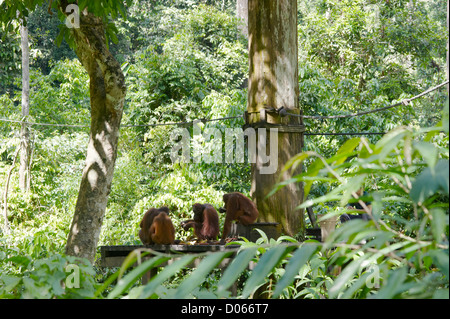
(273, 83)
(25, 150)
(107, 93)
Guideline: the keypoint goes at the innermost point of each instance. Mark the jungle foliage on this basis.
(186, 60)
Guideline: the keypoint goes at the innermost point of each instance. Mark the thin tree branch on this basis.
(7, 228)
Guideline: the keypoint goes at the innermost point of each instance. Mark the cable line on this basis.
(403, 102)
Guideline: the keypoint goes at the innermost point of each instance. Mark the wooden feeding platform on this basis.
(114, 256)
(272, 230)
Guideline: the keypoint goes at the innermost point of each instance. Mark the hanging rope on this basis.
(403, 102)
(124, 126)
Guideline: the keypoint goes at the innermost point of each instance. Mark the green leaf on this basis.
(61, 35)
(9, 282)
(345, 151)
(263, 237)
(20, 260)
(111, 31)
(353, 185)
(334, 195)
(358, 284)
(82, 4)
(128, 262)
(390, 141)
(395, 284)
(365, 152)
(106, 284)
(265, 265)
(35, 291)
(199, 275)
(298, 259)
(312, 171)
(428, 151)
(234, 270)
(164, 275)
(441, 294)
(345, 277)
(135, 274)
(430, 181)
(440, 258)
(315, 167)
(287, 238)
(438, 224)
(296, 160)
(442, 170)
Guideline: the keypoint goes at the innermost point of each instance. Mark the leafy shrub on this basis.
(360, 259)
(60, 277)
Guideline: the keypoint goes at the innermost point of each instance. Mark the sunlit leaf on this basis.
(345, 151)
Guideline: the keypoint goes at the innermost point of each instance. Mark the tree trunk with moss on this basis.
(107, 95)
(273, 83)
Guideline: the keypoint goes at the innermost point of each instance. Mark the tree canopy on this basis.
(186, 60)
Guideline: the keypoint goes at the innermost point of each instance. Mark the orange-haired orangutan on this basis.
(239, 208)
(205, 222)
(156, 227)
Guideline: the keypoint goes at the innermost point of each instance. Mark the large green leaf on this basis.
(234, 270)
(296, 160)
(35, 291)
(352, 186)
(440, 258)
(333, 195)
(165, 274)
(439, 223)
(298, 259)
(125, 283)
(390, 141)
(313, 170)
(345, 151)
(199, 275)
(265, 265)
(428, 151)
(430, 181)
(395, 284)
(9, 282)
(345, 277)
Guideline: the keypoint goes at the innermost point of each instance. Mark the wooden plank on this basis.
(114, 256)
(272, 230)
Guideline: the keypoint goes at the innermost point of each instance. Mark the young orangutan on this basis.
(239, 208)
(205, 222)
(156, 227)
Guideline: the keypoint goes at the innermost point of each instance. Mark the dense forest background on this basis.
(187, 60)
